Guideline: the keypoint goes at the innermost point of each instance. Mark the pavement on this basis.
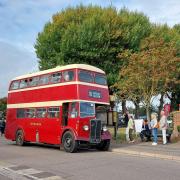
(170, 151)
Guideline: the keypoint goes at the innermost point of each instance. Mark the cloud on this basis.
(158, 11)
(14, 62)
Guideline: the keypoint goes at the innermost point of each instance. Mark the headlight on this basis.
(104, 128)
(86, 127)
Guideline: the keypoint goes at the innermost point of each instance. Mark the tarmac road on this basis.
(48, 162)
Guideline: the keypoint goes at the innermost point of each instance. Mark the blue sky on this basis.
(21, 20)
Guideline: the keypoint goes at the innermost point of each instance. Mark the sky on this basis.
(21, 20)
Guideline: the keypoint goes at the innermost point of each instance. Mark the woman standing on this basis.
(154, 126)
(163, 126)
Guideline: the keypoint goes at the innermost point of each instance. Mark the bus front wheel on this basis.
(69, 142)
(19, 138)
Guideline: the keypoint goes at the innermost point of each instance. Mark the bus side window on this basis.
(20, 113)
(53, 112)
(73, 111)
(14, 85)
(30, 113)
(41, 112)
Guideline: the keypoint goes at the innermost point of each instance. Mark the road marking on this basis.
(28, 171)
(53, 178)
(25, 173)
(10, 174)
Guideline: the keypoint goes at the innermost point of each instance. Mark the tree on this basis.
(3, 104)
(91, 35)
(150, 71)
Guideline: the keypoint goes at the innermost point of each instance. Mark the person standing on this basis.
(163, 126)
(126, 120)
(2, 126)
(131, 128)
(154, 126)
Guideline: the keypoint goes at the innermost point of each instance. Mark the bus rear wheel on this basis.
(103, 145)
(69, 142)
(19, 138)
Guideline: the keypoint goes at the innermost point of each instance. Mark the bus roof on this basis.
(60, 68)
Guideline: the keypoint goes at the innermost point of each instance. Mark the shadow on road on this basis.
(53, 147)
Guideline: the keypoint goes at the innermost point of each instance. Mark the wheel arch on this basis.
(68, 129)
(19, 129)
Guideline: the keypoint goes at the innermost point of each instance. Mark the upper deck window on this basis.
(56, 77)
(100, 79)
(85, 76)
(68, 75)
(14, 85)
(34, 81)
(44, 80)
(23, 83)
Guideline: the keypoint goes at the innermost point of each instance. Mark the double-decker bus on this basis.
(62, 105)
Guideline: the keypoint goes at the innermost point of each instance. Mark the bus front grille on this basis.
(95, 131)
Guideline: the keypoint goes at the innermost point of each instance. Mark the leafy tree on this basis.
(91, 35)
(3, 104)
(150, 71)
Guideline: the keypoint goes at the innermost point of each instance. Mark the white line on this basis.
(48, 103)
(53, 178)
(28, 171)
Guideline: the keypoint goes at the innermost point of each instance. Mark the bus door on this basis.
(70, 115)
(65, 110)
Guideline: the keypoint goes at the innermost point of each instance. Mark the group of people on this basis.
(162, 124)
(148, 128)
(2, 126)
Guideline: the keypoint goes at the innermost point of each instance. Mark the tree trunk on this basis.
(160, 106)
(124, 106)
(148, 111)
(136, 103)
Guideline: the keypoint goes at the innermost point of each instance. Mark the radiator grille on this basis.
(95, 131)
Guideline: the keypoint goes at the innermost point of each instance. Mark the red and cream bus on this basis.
(62, 105)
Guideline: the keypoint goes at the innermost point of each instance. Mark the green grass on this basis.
(121, 136)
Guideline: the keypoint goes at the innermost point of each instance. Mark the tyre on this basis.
(69, 142)
(103, 145)
(19, 138)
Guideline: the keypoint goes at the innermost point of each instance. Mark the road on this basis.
(48, 162)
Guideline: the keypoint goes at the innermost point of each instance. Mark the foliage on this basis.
(91, 35)
(150, 71)
(3, 103)
(178, 128)
(113, 40)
